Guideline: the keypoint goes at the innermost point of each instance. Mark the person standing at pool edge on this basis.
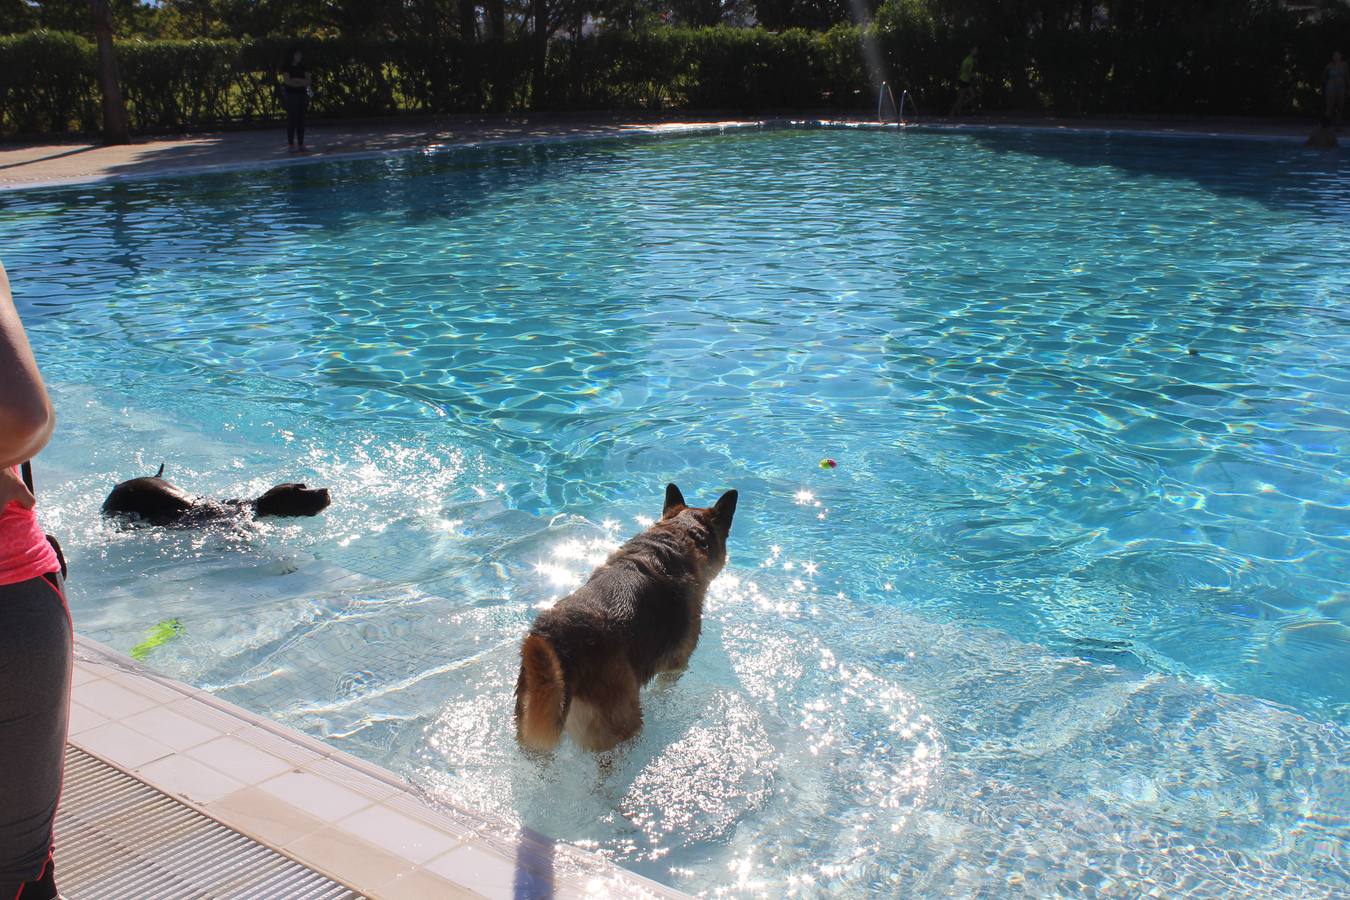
(297, 84)
(35, 631)
(966, 82)
(1334, 78)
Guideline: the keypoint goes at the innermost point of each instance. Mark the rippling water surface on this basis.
(1070, 616)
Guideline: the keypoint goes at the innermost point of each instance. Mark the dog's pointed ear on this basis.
(160, 473)
(673, 499)
(725, 508)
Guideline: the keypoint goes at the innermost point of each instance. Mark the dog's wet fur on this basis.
(154, 501)
(640, 613)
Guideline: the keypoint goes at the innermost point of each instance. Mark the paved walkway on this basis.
(71, 162)
(26, 165)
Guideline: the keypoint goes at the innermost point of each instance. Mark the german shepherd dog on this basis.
(640, 613)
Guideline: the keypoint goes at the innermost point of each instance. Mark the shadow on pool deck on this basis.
(24, 160)
(534, 867)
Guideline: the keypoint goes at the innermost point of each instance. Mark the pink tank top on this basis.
(24, 551)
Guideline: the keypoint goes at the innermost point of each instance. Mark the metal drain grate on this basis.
(117, 837)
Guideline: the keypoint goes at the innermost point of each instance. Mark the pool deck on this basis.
(275, 792)
(74, 162)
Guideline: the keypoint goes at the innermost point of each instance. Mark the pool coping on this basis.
(355, 822)
(558, 134)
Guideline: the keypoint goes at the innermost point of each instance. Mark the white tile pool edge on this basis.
(339, 815)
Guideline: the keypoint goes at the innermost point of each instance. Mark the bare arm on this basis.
(26, 416)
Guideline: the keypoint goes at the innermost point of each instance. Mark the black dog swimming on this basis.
(155, 501)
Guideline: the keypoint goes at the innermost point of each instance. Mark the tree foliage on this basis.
(202, 63)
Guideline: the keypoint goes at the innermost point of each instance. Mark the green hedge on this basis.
(1267, 63)
(48, 84)
(49, 80)
(707, 68)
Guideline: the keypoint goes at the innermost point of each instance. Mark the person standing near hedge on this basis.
(966, 81)
(36, 640)
(296, 83)
(1334, 79)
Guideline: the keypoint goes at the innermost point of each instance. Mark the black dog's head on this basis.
(707, 527)
(292, 500)
(151, 499)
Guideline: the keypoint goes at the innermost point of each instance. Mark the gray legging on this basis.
(35, 662)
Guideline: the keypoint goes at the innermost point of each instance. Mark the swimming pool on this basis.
(1071, 615)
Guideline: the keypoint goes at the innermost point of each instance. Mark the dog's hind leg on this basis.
(617, 724)
(624, 719)
(602, 723)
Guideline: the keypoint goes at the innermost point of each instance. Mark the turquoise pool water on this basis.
(1070, 616)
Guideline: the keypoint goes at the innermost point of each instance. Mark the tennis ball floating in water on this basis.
(828, 463)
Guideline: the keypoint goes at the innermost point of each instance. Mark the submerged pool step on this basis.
(118, 837)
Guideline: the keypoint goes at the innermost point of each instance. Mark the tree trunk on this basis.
(473, 56)
(496, 15)
(539, 39)
(496, 28)
(115, 129)
(468, 21)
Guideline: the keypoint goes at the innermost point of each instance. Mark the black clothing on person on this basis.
(296, 103)
(296, 70)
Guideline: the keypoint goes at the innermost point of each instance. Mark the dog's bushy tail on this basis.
(541, 695)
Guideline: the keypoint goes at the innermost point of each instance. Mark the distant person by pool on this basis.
(296, 86)
(966, 81)
(1334, 78)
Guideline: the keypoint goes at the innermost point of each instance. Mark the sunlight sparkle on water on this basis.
(557, 575)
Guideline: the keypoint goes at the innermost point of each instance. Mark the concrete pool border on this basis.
(255, 150)
(332, 812)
